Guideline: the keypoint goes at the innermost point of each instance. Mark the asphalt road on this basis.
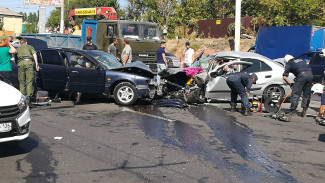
(103, 142)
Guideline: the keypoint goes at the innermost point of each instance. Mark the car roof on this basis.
(240, 54)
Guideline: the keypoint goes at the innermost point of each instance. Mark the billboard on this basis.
(43, 2)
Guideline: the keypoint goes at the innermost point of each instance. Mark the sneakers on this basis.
(247, 112)
(303, 113)
(233, 108)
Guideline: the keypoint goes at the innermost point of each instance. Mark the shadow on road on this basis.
(16, 148)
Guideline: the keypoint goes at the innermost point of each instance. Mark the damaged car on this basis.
(92, 72)
(211, 85)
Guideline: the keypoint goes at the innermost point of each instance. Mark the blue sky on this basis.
(18, 6)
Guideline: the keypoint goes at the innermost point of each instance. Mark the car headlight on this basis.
(22, 105)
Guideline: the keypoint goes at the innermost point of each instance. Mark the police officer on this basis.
(26, 54)
(240, 84)
(303, 82)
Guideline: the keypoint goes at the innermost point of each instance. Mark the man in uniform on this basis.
(240, 84)
(26, 54)
(303, 84)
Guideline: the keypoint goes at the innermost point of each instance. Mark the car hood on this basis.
(8, 95)
(136, 68)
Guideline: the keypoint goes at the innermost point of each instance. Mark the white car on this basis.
(14, 114)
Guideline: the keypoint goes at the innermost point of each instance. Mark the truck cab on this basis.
(144, 38)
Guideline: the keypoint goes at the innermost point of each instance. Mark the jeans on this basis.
(160, 67)
(302, 85)
(5, 77)
(237, 88)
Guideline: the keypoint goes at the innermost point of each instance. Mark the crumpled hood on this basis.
(8, 95)
(136, 68)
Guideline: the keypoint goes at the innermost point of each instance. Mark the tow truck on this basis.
(144, 37)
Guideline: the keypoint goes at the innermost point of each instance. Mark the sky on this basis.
(18, 6)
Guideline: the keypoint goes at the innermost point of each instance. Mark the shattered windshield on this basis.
(140, 31)
(108, 60)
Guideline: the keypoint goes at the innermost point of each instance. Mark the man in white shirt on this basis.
(188, 54)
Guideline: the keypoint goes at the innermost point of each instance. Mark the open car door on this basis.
(216, 87)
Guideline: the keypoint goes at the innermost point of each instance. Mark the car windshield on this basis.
(140, 31)
(108, 60)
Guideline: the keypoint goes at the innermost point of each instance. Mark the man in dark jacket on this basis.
(240, 84)
(89, 45)
(303, 84)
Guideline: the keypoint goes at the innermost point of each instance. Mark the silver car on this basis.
(173, 60)
(269, 84)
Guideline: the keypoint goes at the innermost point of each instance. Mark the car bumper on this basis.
(20, 128)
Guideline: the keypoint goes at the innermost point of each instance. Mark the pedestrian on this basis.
(5, 65)
(89, 45)
(318, 89)
(26, 54)
(165, 32)
(303, 83)
(112, 48)
(161, 60)
(240, 84)
(127, 52)
(188, 54)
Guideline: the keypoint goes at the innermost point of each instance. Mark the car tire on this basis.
(279, 92)
(125, 93)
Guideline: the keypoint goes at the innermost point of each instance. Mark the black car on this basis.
(317, 64)
(64, 70)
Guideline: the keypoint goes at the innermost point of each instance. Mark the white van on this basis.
(14, 114)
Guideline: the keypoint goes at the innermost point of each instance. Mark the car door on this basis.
(317, 65)
(53, 71)
(263, 71)
(216, 87)
(82, 79)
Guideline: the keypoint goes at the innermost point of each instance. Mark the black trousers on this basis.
(5, 77)
(302, 85)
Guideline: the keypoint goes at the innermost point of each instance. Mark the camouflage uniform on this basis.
(26, 69)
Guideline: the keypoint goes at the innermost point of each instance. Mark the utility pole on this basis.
(237, 25)
(62, 17)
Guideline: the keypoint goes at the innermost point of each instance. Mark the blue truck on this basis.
(144, 38)
(304, 42)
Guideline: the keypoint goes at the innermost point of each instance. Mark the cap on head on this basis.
(89, 38)
(322, 53)
(317, 88)
(255, 77)
(287, 58)
(187, 43)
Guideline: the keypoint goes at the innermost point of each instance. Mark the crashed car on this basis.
(64, 70)
(211, 85)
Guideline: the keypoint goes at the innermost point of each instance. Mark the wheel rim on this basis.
(274, 91)
(125, 94)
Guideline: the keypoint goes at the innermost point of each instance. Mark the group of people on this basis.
(27, 61)
(126, 56)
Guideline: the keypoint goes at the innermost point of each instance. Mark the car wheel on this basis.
(273, 91)
(125, 94)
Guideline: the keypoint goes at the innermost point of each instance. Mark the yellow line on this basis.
(150, 115)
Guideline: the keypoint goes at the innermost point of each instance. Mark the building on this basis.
(12, 22)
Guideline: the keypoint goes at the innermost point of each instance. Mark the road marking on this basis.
(150, 115)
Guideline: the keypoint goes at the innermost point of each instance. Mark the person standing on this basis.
(165, 32)
(26, 53)
(188, 54)
(127, 52)
(89, 45)
(112, 48)
(318, 89)
(161, 60)
(5, 65)
(240, 84)
(303, 84)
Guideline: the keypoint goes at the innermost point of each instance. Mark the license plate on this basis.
(5, 127)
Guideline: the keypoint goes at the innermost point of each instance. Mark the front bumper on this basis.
(20, 127)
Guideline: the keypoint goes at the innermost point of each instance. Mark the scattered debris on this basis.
(58, 138)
